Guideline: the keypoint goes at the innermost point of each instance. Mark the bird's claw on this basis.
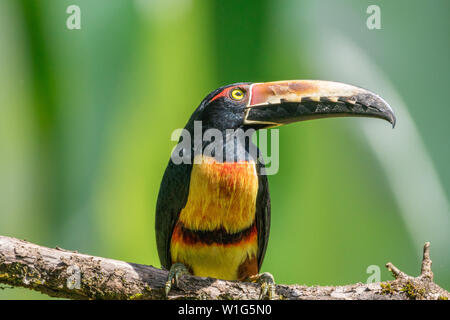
(175, 272)
(267, 283)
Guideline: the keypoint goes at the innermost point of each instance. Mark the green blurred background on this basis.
(86, 117)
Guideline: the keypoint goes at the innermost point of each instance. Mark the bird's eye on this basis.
(237, 94)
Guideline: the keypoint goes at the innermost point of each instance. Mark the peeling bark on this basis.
(69, 274)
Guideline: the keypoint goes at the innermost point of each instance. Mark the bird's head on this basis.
(272, 104)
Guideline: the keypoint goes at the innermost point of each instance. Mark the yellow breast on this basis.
(221, 195)
(221, 207)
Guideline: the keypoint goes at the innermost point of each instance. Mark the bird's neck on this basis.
(232, 147)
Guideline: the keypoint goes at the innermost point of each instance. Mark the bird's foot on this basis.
(267, 283)
(175, 272)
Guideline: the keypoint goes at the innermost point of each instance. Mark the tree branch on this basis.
(67, 274)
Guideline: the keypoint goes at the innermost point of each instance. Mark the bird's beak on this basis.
(273, 104)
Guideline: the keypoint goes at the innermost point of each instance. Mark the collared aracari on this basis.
(213, 215)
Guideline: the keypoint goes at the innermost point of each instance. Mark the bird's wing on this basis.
(262, 215)
(172, 198)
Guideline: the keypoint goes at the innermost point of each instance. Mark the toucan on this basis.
(213, 208)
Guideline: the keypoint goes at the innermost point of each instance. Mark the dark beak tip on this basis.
(392, 119)
(393, 123)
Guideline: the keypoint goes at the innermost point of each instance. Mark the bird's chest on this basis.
(221, 195)
(216, 232)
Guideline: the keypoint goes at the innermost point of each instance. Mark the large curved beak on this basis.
(277, 103)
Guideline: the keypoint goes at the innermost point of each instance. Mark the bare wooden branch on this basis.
(68, 274)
